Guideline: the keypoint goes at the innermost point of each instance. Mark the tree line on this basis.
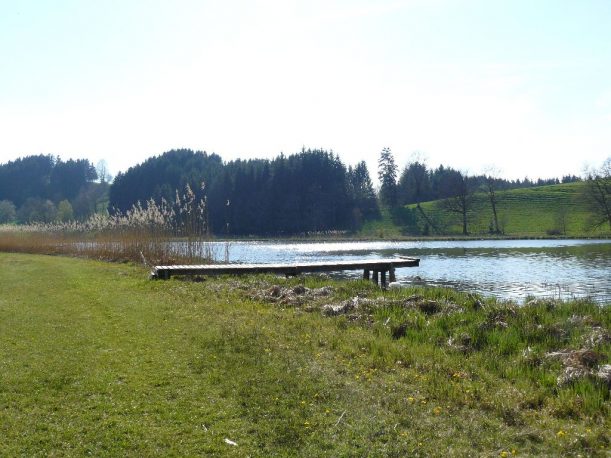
(418, 183)
(45, 188)
(308, 192)
(455, 190)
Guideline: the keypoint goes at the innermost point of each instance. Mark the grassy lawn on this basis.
(98, 360)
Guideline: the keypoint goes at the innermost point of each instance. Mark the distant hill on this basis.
(554, 210)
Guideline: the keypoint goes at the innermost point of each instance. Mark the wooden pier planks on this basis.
(377, 266)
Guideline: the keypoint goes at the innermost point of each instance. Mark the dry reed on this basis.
(164, 233)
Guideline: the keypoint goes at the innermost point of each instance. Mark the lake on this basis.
(508, 269)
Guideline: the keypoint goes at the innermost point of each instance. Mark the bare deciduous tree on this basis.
(461, 200)
(598, 194)
(102, 171)
(491, 187)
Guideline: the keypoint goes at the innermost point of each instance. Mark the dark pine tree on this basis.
(387, 173)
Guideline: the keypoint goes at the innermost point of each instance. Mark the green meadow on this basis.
(555, 210)
(99, 360)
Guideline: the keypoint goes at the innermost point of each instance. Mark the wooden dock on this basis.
(374, 269)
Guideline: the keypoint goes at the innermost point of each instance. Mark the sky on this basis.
(521, 86)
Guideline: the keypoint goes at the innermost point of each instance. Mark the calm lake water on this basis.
(508, 269)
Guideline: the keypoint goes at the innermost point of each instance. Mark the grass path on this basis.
(97, 359)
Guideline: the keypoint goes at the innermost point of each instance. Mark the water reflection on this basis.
(509, 269)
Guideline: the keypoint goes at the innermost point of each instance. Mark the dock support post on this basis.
(383, 279)
(391, 275)
(375, 277)
(366, 274)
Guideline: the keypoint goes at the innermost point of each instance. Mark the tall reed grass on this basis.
(153, 233)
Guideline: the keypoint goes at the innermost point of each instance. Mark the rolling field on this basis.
(555, 210)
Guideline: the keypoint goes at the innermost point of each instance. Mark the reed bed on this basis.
(153, 233)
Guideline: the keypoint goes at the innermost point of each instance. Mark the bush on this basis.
(8, 213)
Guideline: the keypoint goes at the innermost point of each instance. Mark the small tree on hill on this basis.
(491, 179)
(461, 200)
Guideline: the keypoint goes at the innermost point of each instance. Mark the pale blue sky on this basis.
(524, 86)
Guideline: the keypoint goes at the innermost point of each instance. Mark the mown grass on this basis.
(555, 210)
(97, 359)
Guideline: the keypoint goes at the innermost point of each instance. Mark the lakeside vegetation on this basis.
(97, 359)
(146, 234)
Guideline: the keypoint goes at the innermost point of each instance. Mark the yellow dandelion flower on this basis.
(560, 434)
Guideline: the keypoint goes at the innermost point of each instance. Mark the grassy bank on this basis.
(544, 211)
(97, 359)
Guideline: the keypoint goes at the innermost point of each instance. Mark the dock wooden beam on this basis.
(379, 267)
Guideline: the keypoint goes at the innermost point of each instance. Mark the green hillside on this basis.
(385, 227)
(532, 212)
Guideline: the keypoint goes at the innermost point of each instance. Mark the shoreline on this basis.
(400, 239)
